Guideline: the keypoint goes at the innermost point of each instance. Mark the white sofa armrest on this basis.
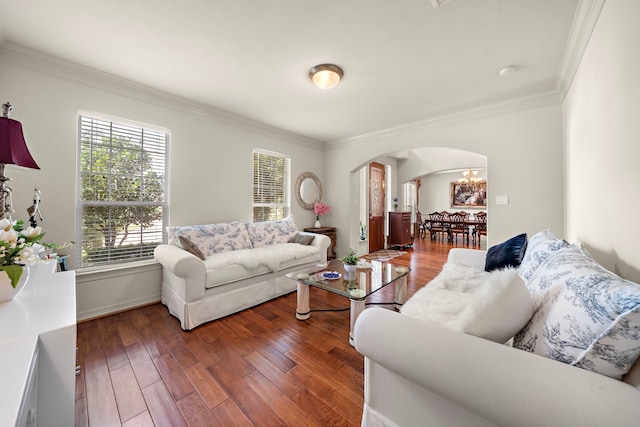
(470, 257)
(183, 265)
(506, 386)
(319, 241)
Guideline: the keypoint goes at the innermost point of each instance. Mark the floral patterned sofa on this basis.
(572, 362)
(213, 270)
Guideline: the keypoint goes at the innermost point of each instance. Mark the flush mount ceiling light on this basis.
(326, 76)
(505, 71)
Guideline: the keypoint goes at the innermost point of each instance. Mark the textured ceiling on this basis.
(404, 60)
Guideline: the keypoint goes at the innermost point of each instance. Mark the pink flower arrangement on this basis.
(320, 209)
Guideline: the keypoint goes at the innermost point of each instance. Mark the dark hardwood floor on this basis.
(259, 367)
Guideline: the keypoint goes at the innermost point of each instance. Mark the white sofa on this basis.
(213, 270)
(421, 373)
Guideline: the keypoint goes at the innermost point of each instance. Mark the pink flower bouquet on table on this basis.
(320, 209)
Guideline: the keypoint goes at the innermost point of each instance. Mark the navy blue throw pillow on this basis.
(506, 254)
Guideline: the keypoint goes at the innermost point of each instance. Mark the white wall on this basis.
(523, 147)
(602, 138)
(210, 158)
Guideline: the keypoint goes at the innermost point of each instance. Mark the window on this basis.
(409, 197)
(122, 187)
(271, 184)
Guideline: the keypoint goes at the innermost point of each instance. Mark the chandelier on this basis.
(469, 177)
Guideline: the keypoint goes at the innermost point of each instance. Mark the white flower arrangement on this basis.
(20, 247)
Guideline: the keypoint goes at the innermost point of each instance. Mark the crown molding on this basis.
(463, 115)
(583, 25)
(584, 22)
(41, 63)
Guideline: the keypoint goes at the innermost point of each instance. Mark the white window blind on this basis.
(271, 184)
(122, 189)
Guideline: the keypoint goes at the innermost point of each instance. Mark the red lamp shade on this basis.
(13, 148)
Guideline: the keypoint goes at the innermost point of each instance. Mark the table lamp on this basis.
(13, 151)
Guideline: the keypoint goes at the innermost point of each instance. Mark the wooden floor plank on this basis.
(315, 360)
(258, 410)
(173, 376)
(206, 385)
(116, 358)
(258, 367)
(342, 400)
(152, 341)
(203, 351)
(142, 365)
(81, 417)
(101, 402)
(141, 420)
(194, 410)
(276, 357)
(318, 410)
(181, 353)
(128, 395)
(343, 352)
(285, 383)
(229, 414)
(286, 409)
(162, 407)
(128, 332)
(231, 365)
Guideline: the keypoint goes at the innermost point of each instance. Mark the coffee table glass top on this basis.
(366, 279)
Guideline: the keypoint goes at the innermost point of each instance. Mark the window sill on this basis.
(118, 268)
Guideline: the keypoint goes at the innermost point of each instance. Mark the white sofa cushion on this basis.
(492, 305)
(230, 267)
(212, 238)
(584, 314)
(539, 248)
(269, 233)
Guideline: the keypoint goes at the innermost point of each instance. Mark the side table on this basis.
(327, 231)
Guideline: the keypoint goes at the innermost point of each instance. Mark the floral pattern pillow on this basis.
(584, 315)
(212, 238)
(269, 233)
(539, 248)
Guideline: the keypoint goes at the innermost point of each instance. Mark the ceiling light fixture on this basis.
(509, 69)
(469, 177)
(326, 76)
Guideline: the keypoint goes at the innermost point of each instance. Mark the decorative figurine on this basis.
(35, 209)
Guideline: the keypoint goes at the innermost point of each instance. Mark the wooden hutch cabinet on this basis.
(399, 229)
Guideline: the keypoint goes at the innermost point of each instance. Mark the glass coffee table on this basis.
(357, 285)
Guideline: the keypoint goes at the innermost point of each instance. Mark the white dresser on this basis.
(38, 351)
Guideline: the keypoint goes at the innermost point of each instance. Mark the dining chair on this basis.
(481, 227)
(439, 224)
(457, 225)
(422, 225)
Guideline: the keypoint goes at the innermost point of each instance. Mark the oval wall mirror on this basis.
(308, 190)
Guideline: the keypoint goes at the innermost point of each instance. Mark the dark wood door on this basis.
(376, 206)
